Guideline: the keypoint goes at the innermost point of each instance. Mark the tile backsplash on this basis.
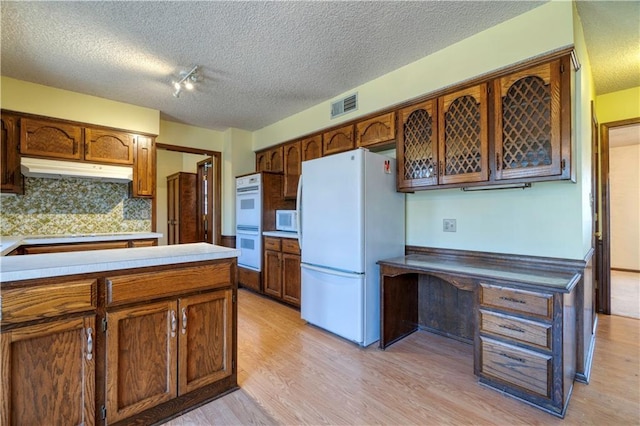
(73, 206)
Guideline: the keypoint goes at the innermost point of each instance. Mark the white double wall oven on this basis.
(248, 221)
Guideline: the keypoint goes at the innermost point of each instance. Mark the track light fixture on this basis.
(186, 81)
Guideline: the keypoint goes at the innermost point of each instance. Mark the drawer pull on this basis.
(184, 320)
(511, 327)
(89, 344)
(513, 299)
(514, 358)
(173, 323)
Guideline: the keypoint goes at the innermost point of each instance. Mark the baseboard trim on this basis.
(626, 270)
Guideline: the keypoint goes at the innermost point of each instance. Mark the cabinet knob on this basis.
(89, 343)
(174, 323)
(184, 320)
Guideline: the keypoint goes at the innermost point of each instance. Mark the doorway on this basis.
(618, 243)
(204, 164)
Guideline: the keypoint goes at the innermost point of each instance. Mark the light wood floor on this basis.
(292, 373)
(625, 294)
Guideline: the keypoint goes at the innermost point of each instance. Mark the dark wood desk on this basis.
(522, 320)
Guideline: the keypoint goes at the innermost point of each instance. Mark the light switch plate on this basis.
(449, 225)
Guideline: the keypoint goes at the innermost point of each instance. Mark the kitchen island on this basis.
(134, 335)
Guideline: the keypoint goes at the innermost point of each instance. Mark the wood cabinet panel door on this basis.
(107, 146)
(144, 170)
(141, 358)
(205, 339)
(463, 136)
(262, 162)
(11, 178)
(376, 130)
(291, 278)
(338, 140)
(50, 139)
(276, 159)
(311, 148)
(417, 148)
(48, 373)
(272, 273)
(292, 169)
(528, 113)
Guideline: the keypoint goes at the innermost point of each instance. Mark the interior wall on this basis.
(617, 106)
(550, 219)
(624, 181)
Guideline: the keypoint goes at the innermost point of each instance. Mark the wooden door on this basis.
(311, 148)
(338, 140)
(50, 139)
(417, 148)
(292, 169)
(187, 208)
(144, 169)
(291, 278)
(206, 224)
(108, 146)
(141, 365)
(463, 136)
(273, 273)
(173, 209)
(48, 373)
(528, 122)
(205, 339)
(11, 178)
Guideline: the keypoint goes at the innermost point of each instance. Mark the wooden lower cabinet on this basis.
(282, 269)
(48, 373)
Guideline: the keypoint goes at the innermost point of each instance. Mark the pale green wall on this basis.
(22, 96)
(617, 106)
(547, 220)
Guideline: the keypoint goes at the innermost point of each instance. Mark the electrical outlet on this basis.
(449, 225)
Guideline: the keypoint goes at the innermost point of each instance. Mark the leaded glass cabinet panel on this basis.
(463, 139)
(527, 122)
(417, 146)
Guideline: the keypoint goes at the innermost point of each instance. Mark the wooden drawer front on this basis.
(75, 247)
(514, 328)
(31, 303)
(290, 246)
(517, 300)
(144, 243)
(526, 369)
(151, 285)
(272, 243)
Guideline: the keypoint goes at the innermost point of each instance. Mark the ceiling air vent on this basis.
(345, 105)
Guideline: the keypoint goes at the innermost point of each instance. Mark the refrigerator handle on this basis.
(299, 211)
(330, 271)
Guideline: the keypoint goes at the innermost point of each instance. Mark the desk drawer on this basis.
(522, 301)
(532, 332)
(526, 369)
(272, 243)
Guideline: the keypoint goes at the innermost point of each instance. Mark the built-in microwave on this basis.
(287, 220)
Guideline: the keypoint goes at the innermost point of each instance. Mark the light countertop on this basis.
(18, 268)
(281, 234)
(7, 244)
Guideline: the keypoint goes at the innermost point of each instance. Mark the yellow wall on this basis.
(22, 96)
(547, 220)
(617, 106)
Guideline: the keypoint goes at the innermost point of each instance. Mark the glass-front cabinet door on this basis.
(417, 146)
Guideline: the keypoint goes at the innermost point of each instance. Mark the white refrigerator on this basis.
(350, 217)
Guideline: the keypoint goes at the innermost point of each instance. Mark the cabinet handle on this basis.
(514, 358)
(89, 343)
(512, 299)
(498, 161)
(511, 327)
(184, 320)
(174, 323)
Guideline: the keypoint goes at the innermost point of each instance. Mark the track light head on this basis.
(187, 81)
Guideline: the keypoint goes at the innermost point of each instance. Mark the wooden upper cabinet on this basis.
(463, 136)
(417, 148)
(107, 146)
(270, 160)
(292, 169)
(376, 130)
(529, 109)
(144, 170)
(50, 139)
(311, 147)
(10, 176)
(338, 140)
(49, 373)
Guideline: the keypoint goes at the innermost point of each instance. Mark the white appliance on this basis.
(248, 221)
(287, 220)
(350, 216)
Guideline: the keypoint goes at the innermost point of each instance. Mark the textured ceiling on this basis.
(260, 61)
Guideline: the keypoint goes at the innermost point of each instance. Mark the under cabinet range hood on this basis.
(56, 169)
